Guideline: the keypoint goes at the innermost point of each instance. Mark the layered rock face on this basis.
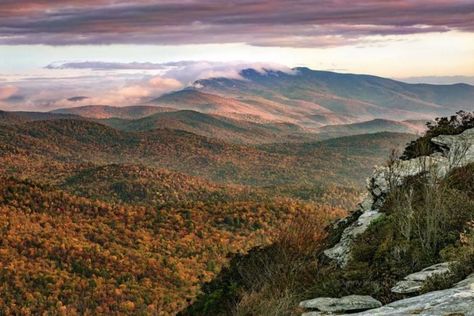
(457, 151)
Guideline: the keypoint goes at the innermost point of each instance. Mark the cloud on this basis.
(440, 79)
(298, 23)
(131, 93)
(134, 91)
(7, 92)
(117, 84)
(98, 65)
(143, 90)
(175, 74)
(164, 84)
(77, 99)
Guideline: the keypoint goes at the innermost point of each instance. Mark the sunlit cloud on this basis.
(159, 46)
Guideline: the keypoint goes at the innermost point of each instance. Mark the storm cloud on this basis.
(297, 23)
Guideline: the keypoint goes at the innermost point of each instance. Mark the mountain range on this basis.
(315, 98)
(265, 106)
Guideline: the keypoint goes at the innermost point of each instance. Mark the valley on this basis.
(132, 210)
(159, 210)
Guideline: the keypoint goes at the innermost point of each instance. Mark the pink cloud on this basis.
(164, 84)
(134, 91)
(7, 91)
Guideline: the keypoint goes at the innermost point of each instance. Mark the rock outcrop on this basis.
(414, 282)
(340, 252)
(454, 151)
(351, 303)
(457, 150)
(458, 300)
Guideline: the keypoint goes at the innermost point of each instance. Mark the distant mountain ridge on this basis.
(193, 99)
(374, 126)
(265, 106)
(215, 126)
(315, 98)
(18, 117)
(230, 130)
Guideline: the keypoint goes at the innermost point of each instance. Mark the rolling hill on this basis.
(114, 257)
(54, 148)
(105, 111)
(372, 126)
(135, 221)
(18, 117)
(216, 126)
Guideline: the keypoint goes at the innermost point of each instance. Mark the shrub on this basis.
(462, 256)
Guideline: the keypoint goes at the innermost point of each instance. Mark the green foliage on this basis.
(423, 217)
(461, 254)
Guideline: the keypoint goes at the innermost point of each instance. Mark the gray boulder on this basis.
(349, 303)
(413, 283)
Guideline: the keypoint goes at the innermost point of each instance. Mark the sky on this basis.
(121, 52)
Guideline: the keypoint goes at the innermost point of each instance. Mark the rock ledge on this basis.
(413, 283)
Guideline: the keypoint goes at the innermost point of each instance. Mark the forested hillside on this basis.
(64, 145)
(120, 222)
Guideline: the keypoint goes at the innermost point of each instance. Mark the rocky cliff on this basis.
(455, 151)
(458, 150)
